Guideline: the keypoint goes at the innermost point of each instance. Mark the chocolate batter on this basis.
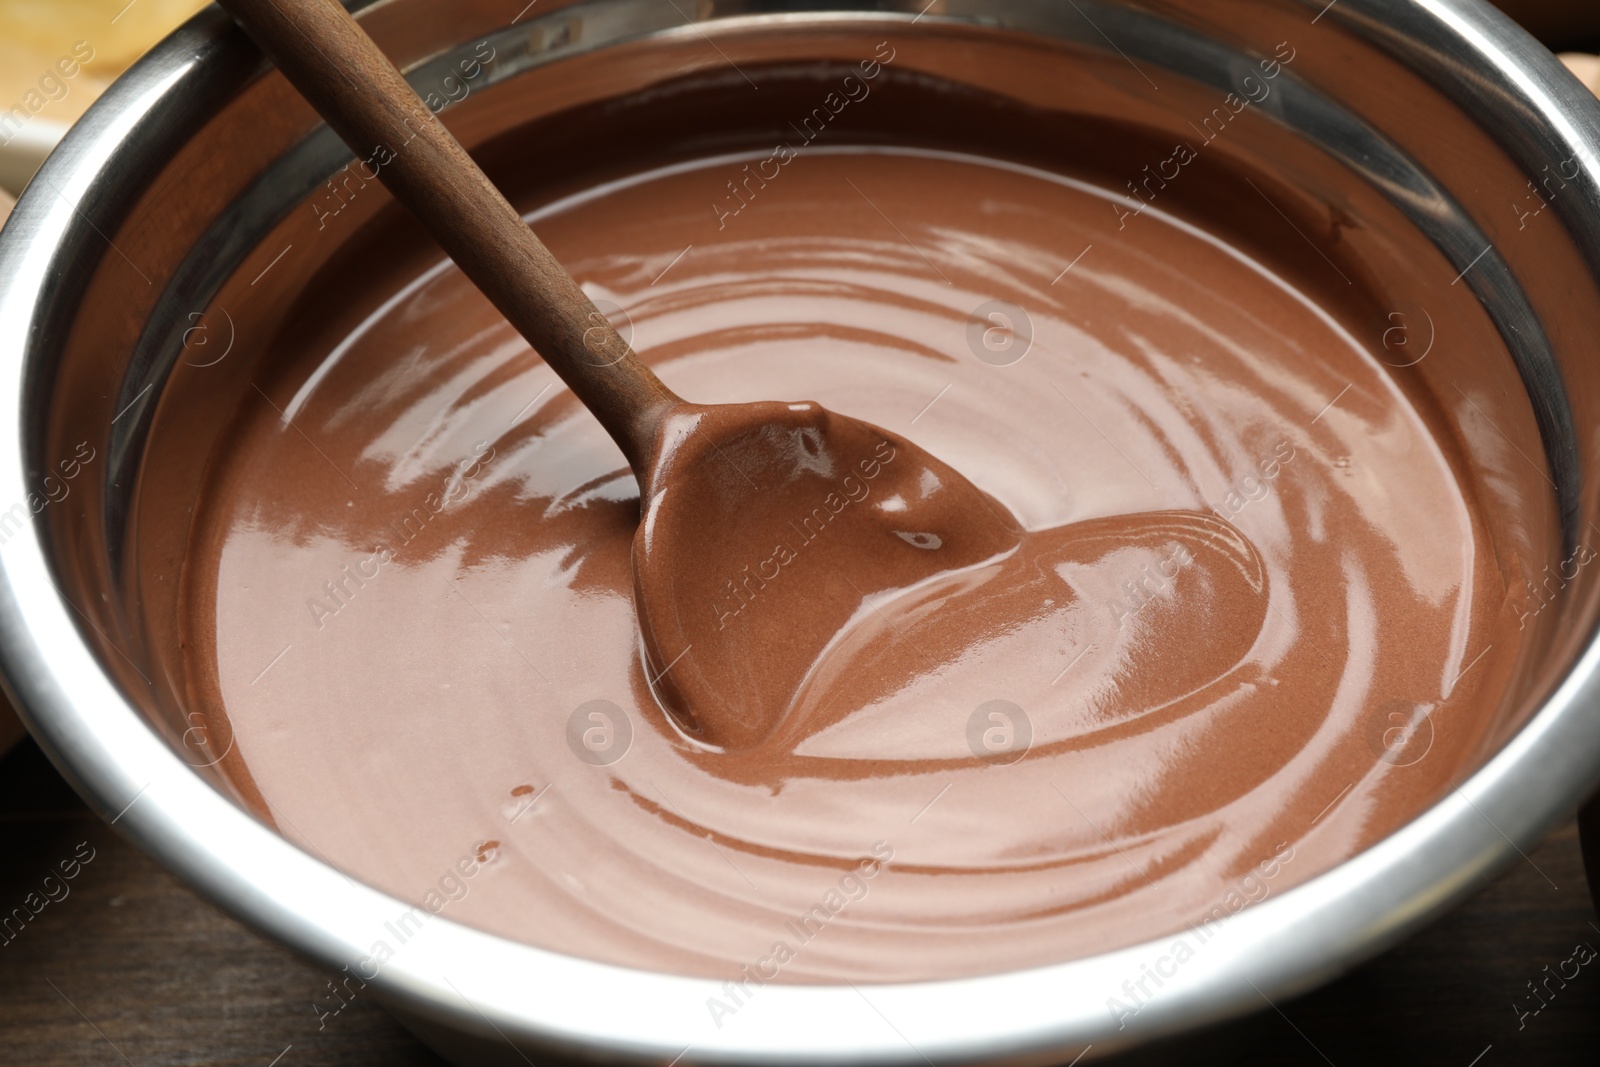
(1250, 596)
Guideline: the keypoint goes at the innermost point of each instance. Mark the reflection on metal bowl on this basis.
(193, 175)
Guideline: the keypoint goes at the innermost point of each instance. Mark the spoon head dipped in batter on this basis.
(768, 531)
(723, 487)
(765, 531)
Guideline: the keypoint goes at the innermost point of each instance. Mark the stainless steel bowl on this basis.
(173, 208)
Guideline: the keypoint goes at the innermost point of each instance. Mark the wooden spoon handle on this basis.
(354, 87)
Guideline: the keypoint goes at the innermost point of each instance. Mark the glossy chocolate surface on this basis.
(1248, 593)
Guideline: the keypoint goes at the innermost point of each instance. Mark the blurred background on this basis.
(1563, 25)
(56, 57)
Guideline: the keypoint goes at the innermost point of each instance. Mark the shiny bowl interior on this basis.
(150, 265)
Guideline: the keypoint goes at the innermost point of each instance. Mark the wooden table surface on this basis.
(131, 968)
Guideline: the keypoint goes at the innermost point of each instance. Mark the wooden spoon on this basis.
(764, 528)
